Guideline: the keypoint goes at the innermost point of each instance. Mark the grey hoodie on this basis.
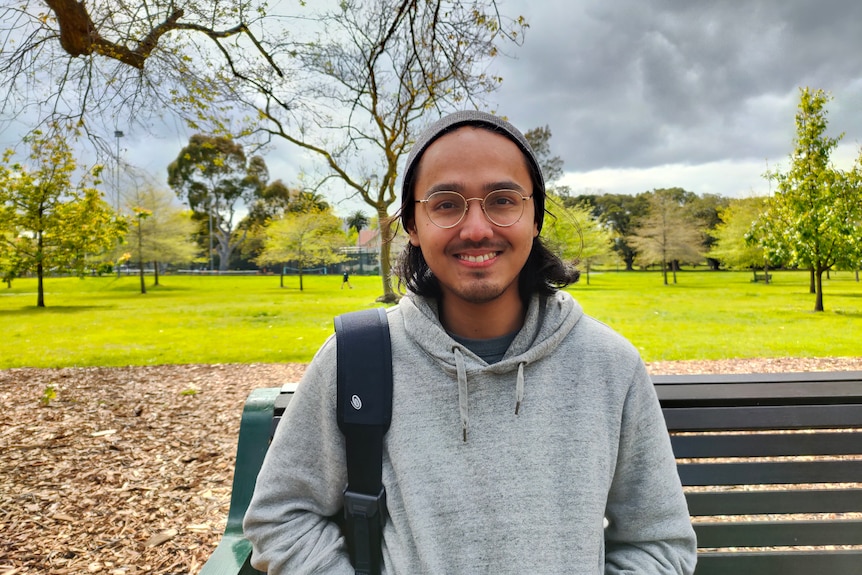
(474, 487)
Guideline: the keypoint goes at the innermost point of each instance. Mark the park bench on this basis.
(771, 464)
(764, 277)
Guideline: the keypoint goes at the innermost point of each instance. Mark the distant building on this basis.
(364, 257)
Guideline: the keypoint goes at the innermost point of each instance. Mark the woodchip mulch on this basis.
(128, 470)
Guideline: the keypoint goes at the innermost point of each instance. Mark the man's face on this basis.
(476, 262)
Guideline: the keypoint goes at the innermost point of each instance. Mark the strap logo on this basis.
(356, 402)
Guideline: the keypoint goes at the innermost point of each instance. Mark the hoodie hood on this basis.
(547, 323)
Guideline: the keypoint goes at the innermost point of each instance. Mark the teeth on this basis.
(478, 259)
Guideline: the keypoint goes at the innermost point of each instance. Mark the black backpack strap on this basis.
(364, 410)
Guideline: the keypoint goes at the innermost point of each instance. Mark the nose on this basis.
(475, 226)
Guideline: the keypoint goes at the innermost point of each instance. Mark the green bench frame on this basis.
(727, 431)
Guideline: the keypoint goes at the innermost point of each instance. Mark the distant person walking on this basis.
(345, 279)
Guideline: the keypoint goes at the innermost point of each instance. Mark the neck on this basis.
(495, 318)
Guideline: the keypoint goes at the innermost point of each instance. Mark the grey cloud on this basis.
(639, 84)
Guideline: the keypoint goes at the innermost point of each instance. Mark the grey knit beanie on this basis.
(497, 125)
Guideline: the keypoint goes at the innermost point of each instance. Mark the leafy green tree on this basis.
(852, 259)
(575, 235)
(213, 175)
(307, 201)
(11, 265)
(706, 209)
(732, 246)
(306, 239)
(619, 212)
(54, 225)
(667, 233)
(274, 200)
(358, 221)
(161, 232)
(138, 216)
(812, 219)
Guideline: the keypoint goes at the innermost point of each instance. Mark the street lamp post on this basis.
(117, 134)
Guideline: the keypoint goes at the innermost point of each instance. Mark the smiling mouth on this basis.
(478, 259)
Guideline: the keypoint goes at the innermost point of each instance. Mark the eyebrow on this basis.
(487, 188)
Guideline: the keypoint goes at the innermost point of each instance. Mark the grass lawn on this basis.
(717, 315)
(247, 319)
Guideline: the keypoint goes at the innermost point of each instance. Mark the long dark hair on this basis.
(543, 273)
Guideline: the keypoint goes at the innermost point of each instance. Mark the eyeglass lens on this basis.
(501, 207)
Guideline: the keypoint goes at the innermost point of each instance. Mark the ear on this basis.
(535, 229)
(410, 226)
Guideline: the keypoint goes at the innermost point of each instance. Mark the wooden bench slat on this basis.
(700, 379)
(778, 533)
(832, 562)
(767, 445)
(751, 418)
(716, 395)
(779, 502)
(770, 472)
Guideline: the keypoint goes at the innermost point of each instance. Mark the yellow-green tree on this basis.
(576, 236)
(59, 226)
(305, 239)
(732, 247)
(813, 218)
(161, 232)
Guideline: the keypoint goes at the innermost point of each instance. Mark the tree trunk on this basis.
(141, 256)
(812, 283)
(141, 275)
(300, 276)
(155, 273)
(40, 289)
(40, 272)
(281, 277)
(818, 299)
(664, 271)
(386, 235)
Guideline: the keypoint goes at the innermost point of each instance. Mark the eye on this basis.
(445, 202)
(503, 198)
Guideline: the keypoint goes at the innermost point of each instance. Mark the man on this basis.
(345, 279)
(526, 437)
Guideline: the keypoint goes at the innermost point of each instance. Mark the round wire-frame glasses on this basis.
(447, 209)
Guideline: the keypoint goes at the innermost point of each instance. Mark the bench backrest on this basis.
(772, 465)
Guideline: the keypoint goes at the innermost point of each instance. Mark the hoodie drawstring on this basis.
(461, 368)
(463, 395)
(519, 388)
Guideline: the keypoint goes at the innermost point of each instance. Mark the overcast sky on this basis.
(643, 94)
